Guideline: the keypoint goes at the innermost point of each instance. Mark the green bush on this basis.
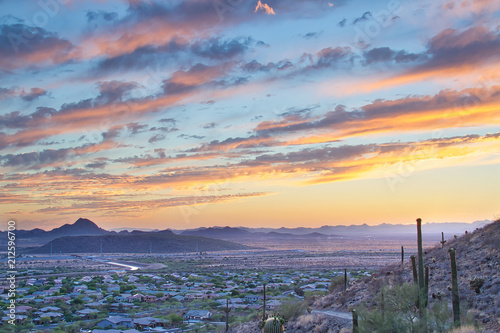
(395, 310)
(291, 310)
(174, 317)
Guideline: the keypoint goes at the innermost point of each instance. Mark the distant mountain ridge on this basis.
(240, 233)
(85, 227)
(384, 228)
(380, 231)
(163, 242)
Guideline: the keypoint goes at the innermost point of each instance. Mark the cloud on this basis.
(217, 48)
(236, 143)
(33, 94)
(6, 93)
(210, 125)
(310, 35)
(200, 76)
(187, 136)
(134, 207)
(17, 120)
(447, 109)
(386, 54)
(451, 53)
(141, 58)
(162, 159)
(136, 128)
(157, 138)
(453, 48)
(98, 164)
(36, 160)
(114, 91)
(30, 96)
(22, 46)
(265, 7)
(330, 57)
(255, 66)
(306, 166)
(365, 17)
(101, 15)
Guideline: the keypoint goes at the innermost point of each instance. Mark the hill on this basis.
(81, 227)
(478, 257)
(164, 242)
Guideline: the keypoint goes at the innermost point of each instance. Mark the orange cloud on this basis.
(265, 7)
(75, 190)
(447, 109)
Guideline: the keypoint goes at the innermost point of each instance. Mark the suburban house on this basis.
(87, 314)
(252, 298)
(197, 315)
(148, 322)
(115, 321)
(272, 305)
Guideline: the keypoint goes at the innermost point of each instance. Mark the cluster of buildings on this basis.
(116, 301)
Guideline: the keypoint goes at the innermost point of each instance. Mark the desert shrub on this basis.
(439, 317)
(395, 311)
(337, 283)
(291, 310)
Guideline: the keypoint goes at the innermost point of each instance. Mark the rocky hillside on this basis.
(478, 257)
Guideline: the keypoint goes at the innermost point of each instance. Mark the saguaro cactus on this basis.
(355, 325)
(227, 310)
(264, 307)
(442, 240)
(426, 285)
(274, 325)
(414, 268)
(423, 296)
(345, 279)
(402, 255)
(421, 283)
(455, 298)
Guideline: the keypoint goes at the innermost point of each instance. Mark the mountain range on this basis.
(141, 242)
(380, 231)
(86, 228)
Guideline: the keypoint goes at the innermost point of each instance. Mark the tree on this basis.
(299, 291)
(174, 317)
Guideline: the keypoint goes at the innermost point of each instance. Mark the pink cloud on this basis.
(265, 7)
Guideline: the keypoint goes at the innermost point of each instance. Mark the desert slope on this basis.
(478, 256)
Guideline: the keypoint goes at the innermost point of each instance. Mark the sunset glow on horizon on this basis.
(183, 114)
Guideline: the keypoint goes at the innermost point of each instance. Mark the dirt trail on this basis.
(336, 314)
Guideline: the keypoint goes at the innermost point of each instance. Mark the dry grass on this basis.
(465, 329)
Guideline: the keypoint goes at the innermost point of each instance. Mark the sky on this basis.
(182, 114)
